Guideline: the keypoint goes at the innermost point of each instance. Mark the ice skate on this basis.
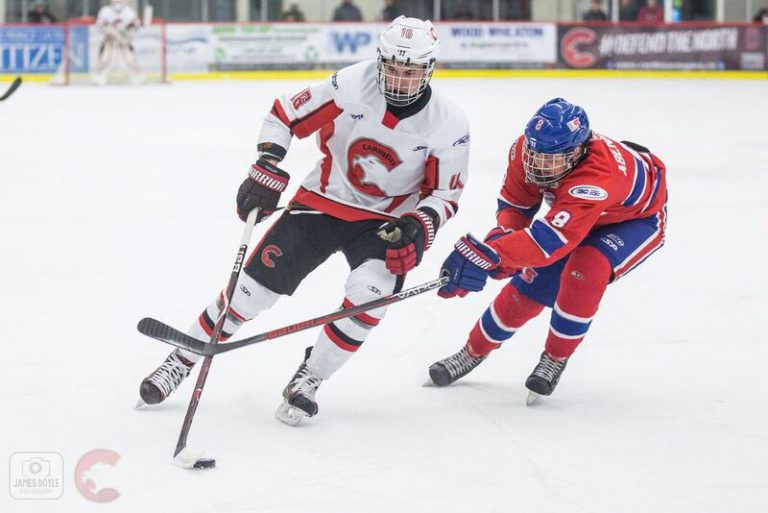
(299, 395)
(544, 378)
(165, 379)
(448, 370)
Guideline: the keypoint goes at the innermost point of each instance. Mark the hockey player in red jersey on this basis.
(394, 154)
(607, 215)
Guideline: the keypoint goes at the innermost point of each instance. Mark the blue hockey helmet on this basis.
(555, 141)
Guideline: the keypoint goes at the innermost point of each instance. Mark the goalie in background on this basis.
(117, 23)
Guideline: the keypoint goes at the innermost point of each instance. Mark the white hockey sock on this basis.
(249, 299)
(327, 358)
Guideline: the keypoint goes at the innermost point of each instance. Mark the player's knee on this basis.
(588, 268)
(368, 282)
(583, 282)
(250, 297)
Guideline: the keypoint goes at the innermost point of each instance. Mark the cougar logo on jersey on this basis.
(588, 192)
(268, 253)
(368, 166)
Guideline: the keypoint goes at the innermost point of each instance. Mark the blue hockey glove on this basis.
(467, 267)
(501, 272)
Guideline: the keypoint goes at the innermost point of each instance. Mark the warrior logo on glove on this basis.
(261, 189)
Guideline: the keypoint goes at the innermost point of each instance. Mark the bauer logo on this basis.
(588, 192)
(95, 475)
(36, 475)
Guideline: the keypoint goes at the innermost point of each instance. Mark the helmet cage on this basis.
(549, 168)
(402, 82)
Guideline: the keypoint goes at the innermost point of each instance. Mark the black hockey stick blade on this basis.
(15, 85)
(164, 333)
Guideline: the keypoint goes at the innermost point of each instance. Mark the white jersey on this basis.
(122, 19)
(374, 165)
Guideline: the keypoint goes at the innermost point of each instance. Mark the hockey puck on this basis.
(205, 463)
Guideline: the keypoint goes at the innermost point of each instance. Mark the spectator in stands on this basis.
(463, 11)
(595, 12)
(40, 14)
(294, 13)
(761, 16)
(651, 13)
(390, 11)
(627, 10)
(347, 11)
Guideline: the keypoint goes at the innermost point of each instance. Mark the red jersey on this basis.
(612, 184)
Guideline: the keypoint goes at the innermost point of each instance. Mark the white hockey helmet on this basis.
(407, 52)
(118, 4)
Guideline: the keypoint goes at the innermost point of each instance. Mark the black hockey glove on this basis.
(261, 189)
(408, 236)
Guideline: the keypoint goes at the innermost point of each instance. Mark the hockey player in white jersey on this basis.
(394, 164)
(117, 23)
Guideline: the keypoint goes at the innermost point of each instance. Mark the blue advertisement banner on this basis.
(30, 49)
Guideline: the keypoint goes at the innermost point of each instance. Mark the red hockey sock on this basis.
(582, 285)
(508, 312)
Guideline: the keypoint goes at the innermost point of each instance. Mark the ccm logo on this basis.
(268, 253)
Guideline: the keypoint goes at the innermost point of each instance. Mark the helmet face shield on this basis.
(548, 168)
(402, 83)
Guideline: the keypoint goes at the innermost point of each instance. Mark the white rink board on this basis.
(118, 202)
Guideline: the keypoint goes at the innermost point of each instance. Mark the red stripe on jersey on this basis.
(363, 317)
(325, 166)
(306, 125)
(396, 202)
(279, 112)
(431, 175)
(336, 340)
(390, 120)
(335, 209)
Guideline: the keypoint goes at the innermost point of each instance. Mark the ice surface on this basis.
(118, 203)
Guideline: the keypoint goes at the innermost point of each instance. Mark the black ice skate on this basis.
(450, 369)
(544, 377)
(299, 395)
(165, 379)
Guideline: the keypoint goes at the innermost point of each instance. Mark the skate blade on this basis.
(289, 415)
(429, 384)
(187, 458)
(532, 398)
(140, 404)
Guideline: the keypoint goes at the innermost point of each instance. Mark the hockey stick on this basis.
(164, 333)
(183, 456)
(15, 85)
